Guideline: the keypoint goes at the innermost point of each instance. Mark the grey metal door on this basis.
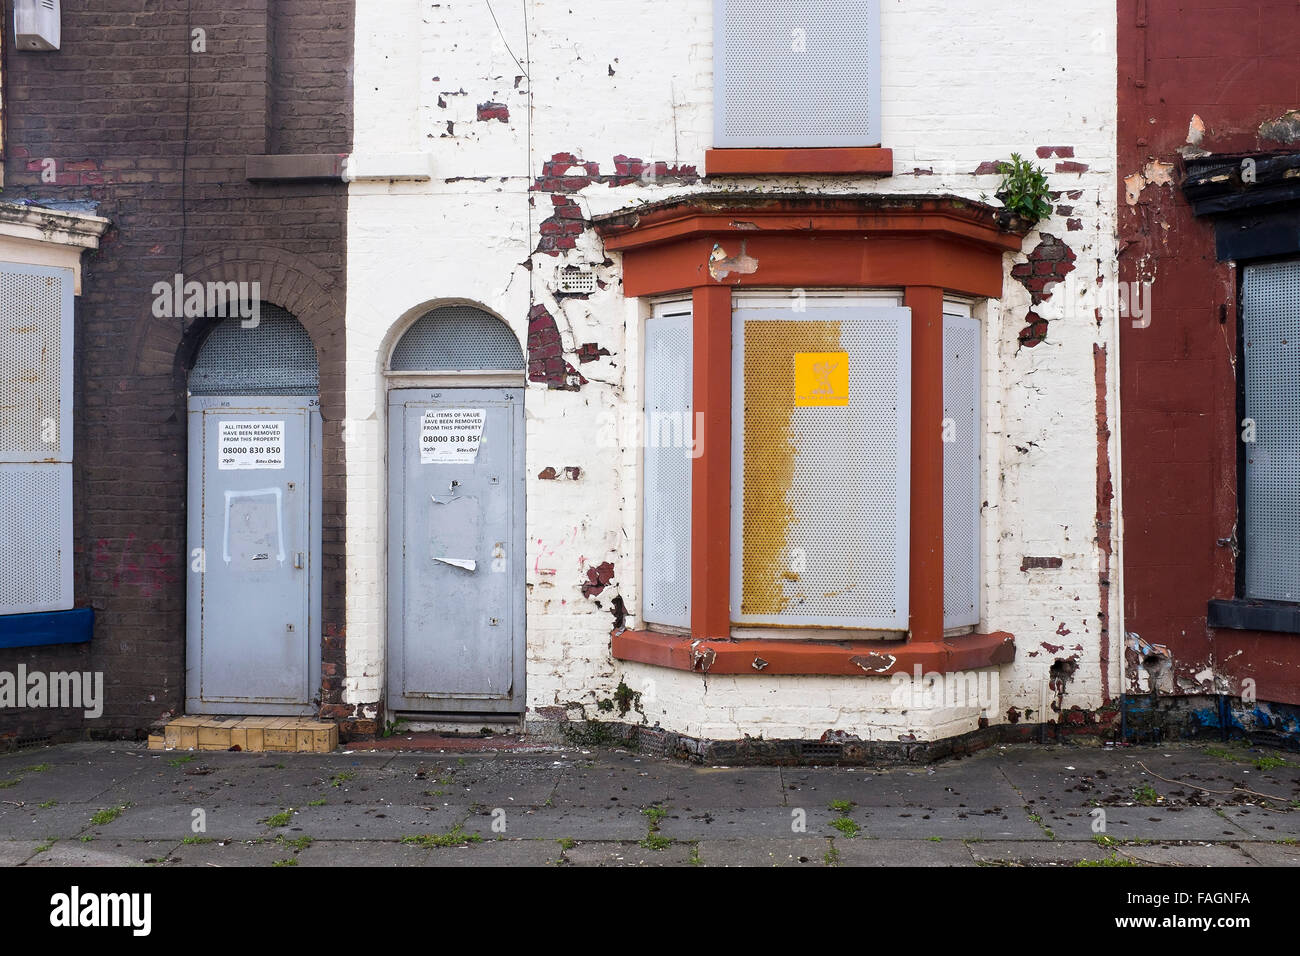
(456, 550)
(253, 621)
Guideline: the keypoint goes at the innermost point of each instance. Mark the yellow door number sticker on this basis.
(821, 378)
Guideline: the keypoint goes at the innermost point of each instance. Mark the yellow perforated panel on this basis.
(821, 468)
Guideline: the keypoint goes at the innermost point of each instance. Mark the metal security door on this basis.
(254, 585)
(456, 547)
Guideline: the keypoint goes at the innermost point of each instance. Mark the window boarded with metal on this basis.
(792, 73)
(821, 466)
(36, 438)
(668, 453)
(1271, 505)
(457, 338)
(270, 354)
(961, 470)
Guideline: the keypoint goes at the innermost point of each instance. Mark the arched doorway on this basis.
(253, 600)
(456, 635)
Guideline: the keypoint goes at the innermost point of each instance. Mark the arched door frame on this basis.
(218, 692)
(396, 379)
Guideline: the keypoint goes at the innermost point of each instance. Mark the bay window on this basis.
(824, 516)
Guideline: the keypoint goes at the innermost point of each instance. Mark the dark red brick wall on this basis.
(158, 135)
(1235, 67)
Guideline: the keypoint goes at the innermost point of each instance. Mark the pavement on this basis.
(120, 804)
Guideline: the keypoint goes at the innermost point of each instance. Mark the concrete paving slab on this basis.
(103, 853)
(973, 782)
(803, 851)
(496, 853)
(1144, 823)
(863, 852)
(512, 780)
(350, 853)
(1036, 853)
(948, 823)
(772, 823)
(1190, 854)
(235, 853)
(273, 787)
(331, 822)
(1066, 776)
(14, 852)
(628, 853)
(70, 781)
(577, 823)
(1264, 824)
(1273, 854)
(31, 822)
(177, 822)
(644, 781)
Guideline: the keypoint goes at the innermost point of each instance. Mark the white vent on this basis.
(36, 24)
(791, 73)
(577, 281)
(961, 470)
(821, 479)
(667, 440)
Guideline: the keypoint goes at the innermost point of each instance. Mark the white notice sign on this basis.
(250, 445)
(451, 436)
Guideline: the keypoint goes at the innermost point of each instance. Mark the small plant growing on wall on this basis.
(1023, 190)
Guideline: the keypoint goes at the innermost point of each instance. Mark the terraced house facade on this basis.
(687, 373)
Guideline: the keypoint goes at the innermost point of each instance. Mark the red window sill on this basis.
(828, 161)
(833, 658)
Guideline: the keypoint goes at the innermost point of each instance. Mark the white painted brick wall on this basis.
(965, 81)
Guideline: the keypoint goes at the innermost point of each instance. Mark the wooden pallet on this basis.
(256, 734)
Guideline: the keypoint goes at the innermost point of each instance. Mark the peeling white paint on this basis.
(466, 234)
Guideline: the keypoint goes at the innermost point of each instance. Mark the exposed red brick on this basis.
(598, 578)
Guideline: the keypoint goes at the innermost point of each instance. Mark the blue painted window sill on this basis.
(47, 627)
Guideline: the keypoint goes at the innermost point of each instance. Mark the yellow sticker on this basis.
(821, 378)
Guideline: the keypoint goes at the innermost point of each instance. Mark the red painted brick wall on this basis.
(1234, 67)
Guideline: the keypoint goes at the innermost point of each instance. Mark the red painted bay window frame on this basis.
(929, 246)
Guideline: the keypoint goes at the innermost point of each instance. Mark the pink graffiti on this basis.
(122, 564)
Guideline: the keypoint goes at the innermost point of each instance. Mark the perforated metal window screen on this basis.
(36, 335)
(35, 537)
(791, 73)
(961, 470)
(820, 493)
(273, 357)
(457, 338)
(667, 457)
(1271, 510)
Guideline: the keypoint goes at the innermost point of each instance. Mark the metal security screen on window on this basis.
(273, 357)
(456, 338)
(667, 442)
(961, 470)
(820, 466)
(1271, 506)
(35, 438)
(792, 73)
